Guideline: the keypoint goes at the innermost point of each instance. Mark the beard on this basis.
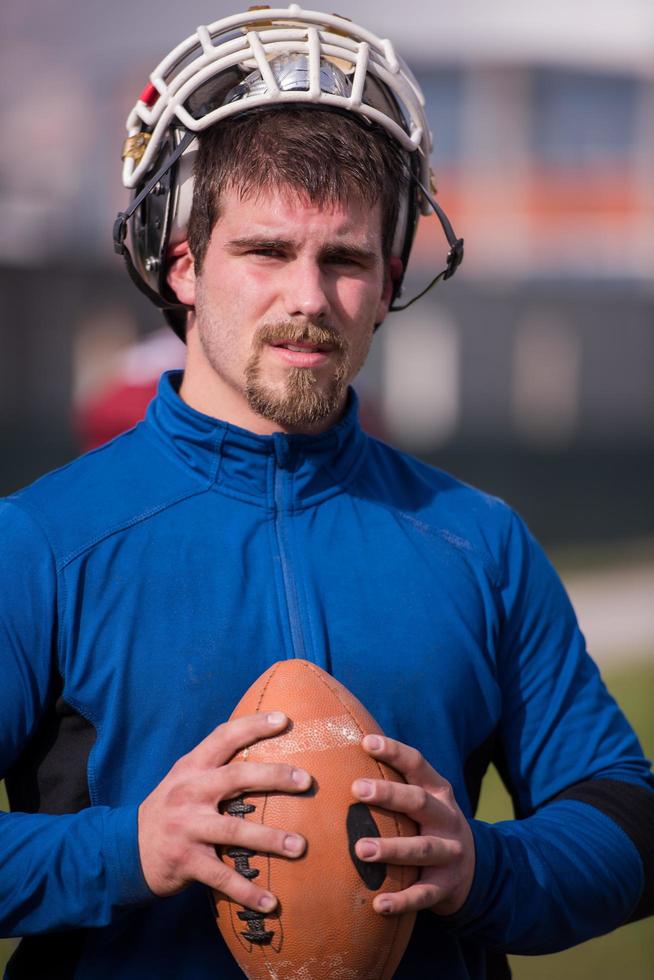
(301, 400)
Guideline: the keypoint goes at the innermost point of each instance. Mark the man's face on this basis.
(285, 307)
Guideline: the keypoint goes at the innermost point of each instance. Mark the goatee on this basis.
(301, 401)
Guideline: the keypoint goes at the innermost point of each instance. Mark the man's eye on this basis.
(273, 253)
(346, 261)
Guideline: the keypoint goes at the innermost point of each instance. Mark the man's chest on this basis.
(166, 628)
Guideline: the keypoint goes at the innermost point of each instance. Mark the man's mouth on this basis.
(303, 348)
(301, 353)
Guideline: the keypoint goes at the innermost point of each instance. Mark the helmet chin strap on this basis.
(454, 256)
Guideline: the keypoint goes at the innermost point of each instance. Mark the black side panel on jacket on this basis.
(51, 777)
(49, 957)
(51, 774)
(632, 808)
(497, 966)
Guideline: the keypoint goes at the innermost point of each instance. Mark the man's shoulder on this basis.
(102, 491)
(406, 477)
(436, 499)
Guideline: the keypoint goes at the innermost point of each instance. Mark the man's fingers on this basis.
(405, 760)
(224, 741)
(445, 849)
(412, 851)
(210, 870)
(422, 895)
(234, 832)
(216, 785)
(212, 786)
(415, 801)
(192, 792)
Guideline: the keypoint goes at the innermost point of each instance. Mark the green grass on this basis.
(626, 953)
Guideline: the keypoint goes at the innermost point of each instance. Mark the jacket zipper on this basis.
(290, 591)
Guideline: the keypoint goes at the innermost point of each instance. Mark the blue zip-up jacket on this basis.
(145, 586)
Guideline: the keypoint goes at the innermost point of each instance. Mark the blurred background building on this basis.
(530, 374)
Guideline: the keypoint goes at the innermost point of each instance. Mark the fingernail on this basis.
(301, 778)
(384, 906)
(373, 742)
(363, 788)
(293, 843)
(267, 903)
(366, 849)
(276, 717)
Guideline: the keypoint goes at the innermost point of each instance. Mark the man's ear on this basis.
(392, 274)
(181, 273)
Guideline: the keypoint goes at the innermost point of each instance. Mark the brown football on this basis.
(324, 925)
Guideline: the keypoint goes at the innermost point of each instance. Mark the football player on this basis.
(279, 161)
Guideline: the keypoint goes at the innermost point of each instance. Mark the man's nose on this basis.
(305, 290)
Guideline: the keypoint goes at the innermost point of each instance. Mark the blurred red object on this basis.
(121, 401)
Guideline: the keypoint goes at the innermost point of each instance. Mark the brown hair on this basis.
(327, 156)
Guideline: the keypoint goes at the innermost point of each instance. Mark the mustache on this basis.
(318, 335)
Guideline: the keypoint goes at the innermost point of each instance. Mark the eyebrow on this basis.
(331, 251)
(256, 242)
(357, 252)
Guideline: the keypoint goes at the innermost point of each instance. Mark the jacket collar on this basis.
(250, 465)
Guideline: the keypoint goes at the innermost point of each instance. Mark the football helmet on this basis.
(256, 60)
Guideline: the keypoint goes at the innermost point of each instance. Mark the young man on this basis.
(250, 519)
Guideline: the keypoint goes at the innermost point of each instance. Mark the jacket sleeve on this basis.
(55, 871)
(576, 861)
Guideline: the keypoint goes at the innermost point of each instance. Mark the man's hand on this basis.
(179, 822)
(445, 849)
